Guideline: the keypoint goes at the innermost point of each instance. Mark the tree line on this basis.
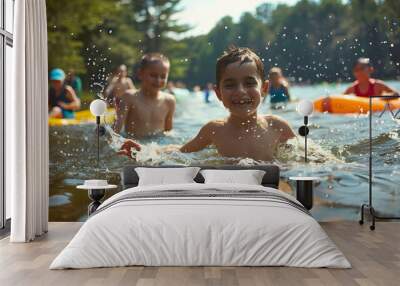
(312, 41)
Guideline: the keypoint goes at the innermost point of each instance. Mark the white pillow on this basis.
(248, 177)
(165, 176)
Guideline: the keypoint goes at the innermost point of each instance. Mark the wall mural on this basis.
(176, 96)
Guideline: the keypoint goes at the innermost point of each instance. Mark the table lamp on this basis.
(305, 108)
(98, 107)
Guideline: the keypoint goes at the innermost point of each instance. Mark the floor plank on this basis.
(375, 257)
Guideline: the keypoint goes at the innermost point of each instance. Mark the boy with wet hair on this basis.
(147, 111)
(244, 133)
(365, 86)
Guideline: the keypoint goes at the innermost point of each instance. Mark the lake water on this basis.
(338, 153)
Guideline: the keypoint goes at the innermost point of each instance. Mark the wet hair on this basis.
(366, 62)
(237, 54)
(275, 70)
(152, 58)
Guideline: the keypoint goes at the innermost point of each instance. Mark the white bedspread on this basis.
(191, 231)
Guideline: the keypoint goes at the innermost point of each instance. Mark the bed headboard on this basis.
(129, 177)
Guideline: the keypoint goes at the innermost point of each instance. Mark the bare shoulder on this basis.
(168, 97)
(282, 126)
(130, 96)
(285, 83)
(275, 120)
(379, 83)
(351, 88)
(214, 125)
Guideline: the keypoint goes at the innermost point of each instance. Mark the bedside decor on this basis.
(304, 190)
(96, 191)
(98, 107)
(305, 108)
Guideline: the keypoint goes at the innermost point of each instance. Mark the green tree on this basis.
(66, 21)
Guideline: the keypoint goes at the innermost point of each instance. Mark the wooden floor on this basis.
(375, 257)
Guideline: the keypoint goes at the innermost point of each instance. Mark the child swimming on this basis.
(365, 86)
(62, 98)
(147, 111)
(244, 133)
(278, 87)
(118, 85)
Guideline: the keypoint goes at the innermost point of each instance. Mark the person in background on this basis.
(207, 92)
(365, 86)
(278, 87)
(118, 85)
(74, 81)
(62, 98)
(147, 111)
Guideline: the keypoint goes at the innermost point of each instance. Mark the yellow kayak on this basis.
(83, 117)
(347, 104)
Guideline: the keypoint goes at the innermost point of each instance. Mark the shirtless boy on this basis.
(365, 86)
(244, 133)
(147, 111)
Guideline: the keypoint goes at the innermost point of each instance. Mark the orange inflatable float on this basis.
(345, 104)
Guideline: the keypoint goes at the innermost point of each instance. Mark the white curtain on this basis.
(27, 126)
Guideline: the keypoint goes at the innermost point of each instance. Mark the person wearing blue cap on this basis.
(62, 98)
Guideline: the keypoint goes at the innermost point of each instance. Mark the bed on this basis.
(198, 224)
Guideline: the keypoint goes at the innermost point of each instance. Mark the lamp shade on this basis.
(305, 107)
(98, 107)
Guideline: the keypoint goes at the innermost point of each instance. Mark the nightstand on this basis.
(96, 194)
(304, 190)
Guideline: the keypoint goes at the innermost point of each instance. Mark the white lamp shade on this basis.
(305, 107)
(98, 107)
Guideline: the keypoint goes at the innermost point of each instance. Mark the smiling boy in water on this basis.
(244, 133)
(147, 111)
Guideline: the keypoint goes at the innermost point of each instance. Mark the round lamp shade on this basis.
(98, 107)
(305, 107)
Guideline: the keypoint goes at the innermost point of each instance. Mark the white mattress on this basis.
(204, 231)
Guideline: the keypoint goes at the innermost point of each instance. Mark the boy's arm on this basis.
(75, 103)
(170, 115)
(128, 147)
(201, 141)
(122, 113)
